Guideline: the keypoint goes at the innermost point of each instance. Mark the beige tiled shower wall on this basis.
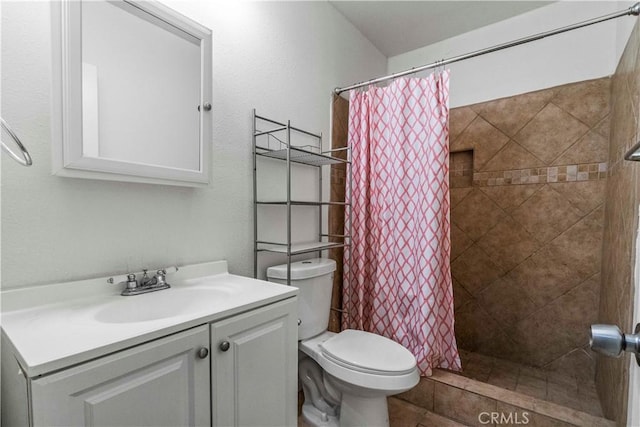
(621, 223)
(339, 134)
(527, 230)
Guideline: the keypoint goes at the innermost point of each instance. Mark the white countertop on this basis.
(55, 326)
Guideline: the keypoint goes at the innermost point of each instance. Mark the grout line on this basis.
(574, 142)
(466, 127)
(499, 150)
(528, 121)
(554, 94)
(578, 119)
(539, 309)
(525, 148)
(462, 132)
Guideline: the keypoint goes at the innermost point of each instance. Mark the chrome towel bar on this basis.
(25, 158)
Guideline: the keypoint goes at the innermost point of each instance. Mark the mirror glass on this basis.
(134, 75)
(140, 88)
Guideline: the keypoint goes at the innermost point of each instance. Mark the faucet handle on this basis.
(160, 277)
(132, 283)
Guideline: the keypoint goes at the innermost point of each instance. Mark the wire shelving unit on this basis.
(279, 146)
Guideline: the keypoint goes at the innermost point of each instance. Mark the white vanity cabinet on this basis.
(215, 349)
(162, 383)
(238, 371)
(253, 368)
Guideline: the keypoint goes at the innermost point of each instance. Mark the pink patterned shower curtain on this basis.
(397, 277)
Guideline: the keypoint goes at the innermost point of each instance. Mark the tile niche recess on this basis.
(461, 169)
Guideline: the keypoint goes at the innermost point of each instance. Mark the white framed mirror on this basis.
(131, 93)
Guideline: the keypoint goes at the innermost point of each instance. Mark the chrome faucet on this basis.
(146, 284)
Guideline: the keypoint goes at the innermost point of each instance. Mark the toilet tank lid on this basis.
(303, 269)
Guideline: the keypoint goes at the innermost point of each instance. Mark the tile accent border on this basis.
(566, 173)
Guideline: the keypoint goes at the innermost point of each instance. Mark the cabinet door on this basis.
(254, 367)
(160, 383)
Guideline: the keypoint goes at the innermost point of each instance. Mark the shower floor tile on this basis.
(556, 387)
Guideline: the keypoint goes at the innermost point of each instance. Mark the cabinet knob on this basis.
(224, 345)
(203, 353)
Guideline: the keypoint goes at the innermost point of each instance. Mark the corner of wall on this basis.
(621, 221)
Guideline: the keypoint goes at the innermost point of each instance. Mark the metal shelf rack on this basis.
(310, 155)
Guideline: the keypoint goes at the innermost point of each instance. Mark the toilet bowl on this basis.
(358, 369)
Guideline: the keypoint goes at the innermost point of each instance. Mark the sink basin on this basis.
(162, 304)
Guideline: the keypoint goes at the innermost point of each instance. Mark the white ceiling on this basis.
(396, 27)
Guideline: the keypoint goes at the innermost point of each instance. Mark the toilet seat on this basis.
(369, 353)
(366, 372)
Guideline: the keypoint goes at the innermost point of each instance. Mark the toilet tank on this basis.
(314, 278)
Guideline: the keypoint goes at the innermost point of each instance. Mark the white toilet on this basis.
(346, 377)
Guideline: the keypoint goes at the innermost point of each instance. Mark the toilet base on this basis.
(363, 411)
(316, 418)
(355, 398)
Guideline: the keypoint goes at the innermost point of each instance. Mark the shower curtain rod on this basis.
(633, 10)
